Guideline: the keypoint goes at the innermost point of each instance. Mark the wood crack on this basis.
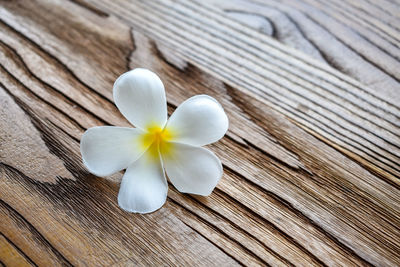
(265, 221)
(90, 8)
(48, 86)
(16, 247)
(33, 230)
(217, 230)
(55, 59)
(302, 216)
(133, 49)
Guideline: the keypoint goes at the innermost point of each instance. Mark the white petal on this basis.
(198, 121)
(106, 150)
(140, 96)
(194, 170)
(143, 187)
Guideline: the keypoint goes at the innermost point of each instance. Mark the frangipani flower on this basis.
(156, 144)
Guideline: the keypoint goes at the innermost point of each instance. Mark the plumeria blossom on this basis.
(156, 144)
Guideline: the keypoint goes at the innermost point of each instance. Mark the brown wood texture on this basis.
(311, 159)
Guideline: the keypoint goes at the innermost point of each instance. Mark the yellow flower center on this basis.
(156, 139)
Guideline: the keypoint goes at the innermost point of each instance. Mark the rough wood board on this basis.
(311, 159)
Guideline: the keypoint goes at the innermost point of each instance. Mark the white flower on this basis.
(156, 143)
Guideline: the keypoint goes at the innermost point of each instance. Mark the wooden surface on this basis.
(311, 159)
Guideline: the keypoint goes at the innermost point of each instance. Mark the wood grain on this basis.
(358, 38)
(311, 159)
(10, 256)
(272, 76)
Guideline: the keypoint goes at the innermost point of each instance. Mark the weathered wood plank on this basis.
(294, 192)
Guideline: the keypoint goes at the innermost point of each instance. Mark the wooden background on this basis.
(311, 159)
